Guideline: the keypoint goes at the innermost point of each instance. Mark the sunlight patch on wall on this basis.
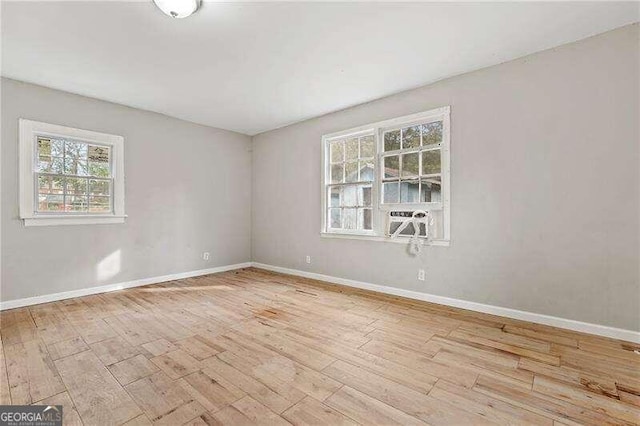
(109, 266)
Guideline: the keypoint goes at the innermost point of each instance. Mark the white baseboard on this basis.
(28, 301)
(584, 327)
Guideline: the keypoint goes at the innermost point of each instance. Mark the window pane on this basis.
(392, 166)
(337, 151)
(430, 190)
(335, 218)
(366, 171)
(350, 195)
(392, 140)
(409, 191)
(431, 162)
(49, 147)
(99, 204)
(99, 169)
(50, 164)
(351, 149)
(337, 173)
(99, 187)
(75, 203)
(335, 196)
(44, 149)
(74, 166)
(98, 154)
(411, 137)
(364, 196)
(351, 172)
(367, 147)
(431, 133)
(75, 150)
(50, 203)
(349, 219)
(77, 186)
(390, 192)
(364, 218)
(410, 164)
(50, 185)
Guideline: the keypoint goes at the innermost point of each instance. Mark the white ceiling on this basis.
(252, 67)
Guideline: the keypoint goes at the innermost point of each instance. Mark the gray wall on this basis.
(545, 187)
(187, 191)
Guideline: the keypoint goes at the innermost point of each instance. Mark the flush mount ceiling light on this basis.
(178, 8)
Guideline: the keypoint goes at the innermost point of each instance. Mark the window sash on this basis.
(64, 140)
(65, 193)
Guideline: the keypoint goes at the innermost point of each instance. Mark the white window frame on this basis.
(29, 131)
(380, 210)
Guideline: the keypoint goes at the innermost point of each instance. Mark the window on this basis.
(373, 172)
(70, 176)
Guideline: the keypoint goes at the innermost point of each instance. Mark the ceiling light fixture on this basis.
(178, 8)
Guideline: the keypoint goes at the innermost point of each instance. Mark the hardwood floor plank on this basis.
(66, 348)
(176, 363)
(499, 335)
(18, 332)
(415, 360)
(367, 410)
(226, 375)
(490, 408)
(539, 335)
(312, 412)
(557, 409)
(281, 386)
(98, 397)
(400, 397)
(210, 393)
(506, 347)
(407, 375)
(141, 420)
(132, 369)
(309, 381)
(5, 395)
(70, 416)
(592, 401)
(31, 373)
(164, 400)
(480, 366)
(94, 330)
(257, 413)
(159, 347)
(198, 347)
(599, 384)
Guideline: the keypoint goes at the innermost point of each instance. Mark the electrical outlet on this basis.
(205, 255)
(307, 259)
(421, 275)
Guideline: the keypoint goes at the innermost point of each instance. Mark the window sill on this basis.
(401, 240)
(55, 220)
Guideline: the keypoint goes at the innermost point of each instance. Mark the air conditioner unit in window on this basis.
(414, 224)
(408, 220)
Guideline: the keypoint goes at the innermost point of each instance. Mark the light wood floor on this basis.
(253, 347)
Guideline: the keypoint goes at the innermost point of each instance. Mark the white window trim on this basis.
(28, 132)
(379, 209)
